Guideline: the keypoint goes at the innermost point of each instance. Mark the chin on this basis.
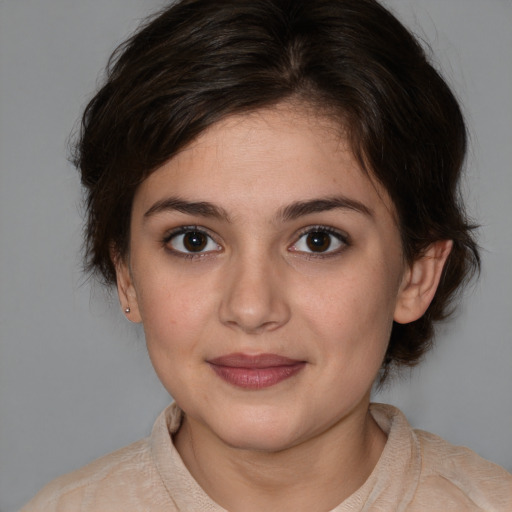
(263, 431)
(260, 441)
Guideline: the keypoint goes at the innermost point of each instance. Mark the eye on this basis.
(191, 241)
(320, 240)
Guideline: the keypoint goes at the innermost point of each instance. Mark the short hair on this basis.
(199, 61)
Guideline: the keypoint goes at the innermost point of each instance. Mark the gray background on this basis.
(75, 381)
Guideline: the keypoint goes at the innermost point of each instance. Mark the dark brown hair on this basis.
(201, 60)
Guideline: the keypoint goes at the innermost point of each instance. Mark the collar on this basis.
(390, 486)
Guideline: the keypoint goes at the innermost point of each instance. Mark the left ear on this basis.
(420, 282)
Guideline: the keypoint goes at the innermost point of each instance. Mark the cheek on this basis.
(172, 326)
(175, 310)
(352, 313)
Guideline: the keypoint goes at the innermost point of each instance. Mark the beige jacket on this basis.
(417, 471)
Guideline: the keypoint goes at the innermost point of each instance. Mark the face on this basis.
(266, 268)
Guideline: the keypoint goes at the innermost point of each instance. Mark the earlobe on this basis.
(420, 282)
(125, 288)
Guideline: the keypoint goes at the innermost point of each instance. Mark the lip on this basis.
(255, 371)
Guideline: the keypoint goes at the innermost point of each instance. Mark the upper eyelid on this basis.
(325, 229)
(169, 234)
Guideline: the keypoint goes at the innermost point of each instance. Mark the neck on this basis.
(317, 474)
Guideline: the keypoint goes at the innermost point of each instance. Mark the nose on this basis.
(254, 298)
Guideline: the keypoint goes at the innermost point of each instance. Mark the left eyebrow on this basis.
(301, 208)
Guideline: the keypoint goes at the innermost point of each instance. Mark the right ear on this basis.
(125, 287)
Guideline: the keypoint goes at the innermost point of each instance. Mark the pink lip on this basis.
(255, 372)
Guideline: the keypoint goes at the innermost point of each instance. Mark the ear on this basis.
(420, 282)
(125, 287)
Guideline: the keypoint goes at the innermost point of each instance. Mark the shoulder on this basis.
(420, 472)
(102, 480)
(459, 479)
(128, 479)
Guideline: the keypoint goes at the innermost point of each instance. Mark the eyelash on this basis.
(182, 230)
(341, 237)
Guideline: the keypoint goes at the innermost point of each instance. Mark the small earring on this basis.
(127, 310)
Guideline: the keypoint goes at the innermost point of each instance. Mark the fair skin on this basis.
(265, 237)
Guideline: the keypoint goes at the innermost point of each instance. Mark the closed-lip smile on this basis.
(255, 371)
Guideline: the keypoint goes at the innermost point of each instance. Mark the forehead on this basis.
(263, 160)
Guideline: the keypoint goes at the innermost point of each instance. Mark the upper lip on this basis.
(239, 360)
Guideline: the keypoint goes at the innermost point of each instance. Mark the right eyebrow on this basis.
(200, 208)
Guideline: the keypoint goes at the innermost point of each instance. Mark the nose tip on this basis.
(254, 301)
(251, 322)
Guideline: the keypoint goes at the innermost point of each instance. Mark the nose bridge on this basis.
(254, 297)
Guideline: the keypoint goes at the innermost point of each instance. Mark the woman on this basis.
(273, 187)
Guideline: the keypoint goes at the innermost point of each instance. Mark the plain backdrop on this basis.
(75, 380)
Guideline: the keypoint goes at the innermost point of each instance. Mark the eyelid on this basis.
(342, 237)
(181, 230)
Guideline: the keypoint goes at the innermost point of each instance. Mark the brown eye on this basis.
(191, 241)
(318, 241)
(194, 241)
(321, 241)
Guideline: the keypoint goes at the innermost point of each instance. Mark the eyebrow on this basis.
(290, 212)
(301, 208)
(200, 208)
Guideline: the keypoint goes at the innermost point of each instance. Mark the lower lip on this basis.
(257, 378)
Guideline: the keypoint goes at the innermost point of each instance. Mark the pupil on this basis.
(194, 241)
(318, 241)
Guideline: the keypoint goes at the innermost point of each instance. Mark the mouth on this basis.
(255, 372)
